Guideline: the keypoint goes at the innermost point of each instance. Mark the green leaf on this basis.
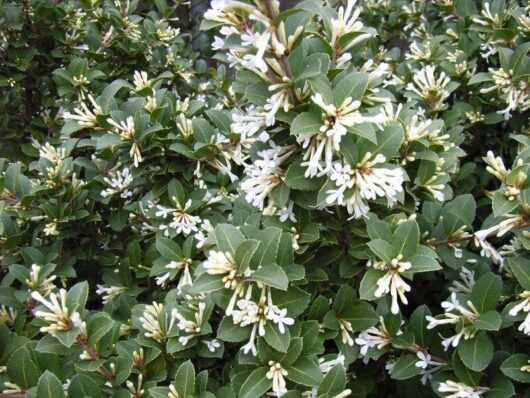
(271, 275)
(306, 124)
(384, 250)
(169, 249)
(230, 332)
(424, 260)
(459, 212)
(49, 386)
(476, 353)
(490, 320)
(305, 372)
(202, 130)
(228, 238)
(369, 284)
(487, 292)
(295, 178)
(267, 251)
(206, 283)
(185, 380)
(83, 386)
(97, 326)
(245, 251)
(277, 340)
(360, 314)
(501, 387)
(333, 383)
(352, 85)
(520, 267)
(501, 205)
(388, 141)
(22, 367)
(220, 119)
(512, 368)
(405, 367)
(294, 299)
(406, 238)
(77, 296)
(15, 182)
(256, 384)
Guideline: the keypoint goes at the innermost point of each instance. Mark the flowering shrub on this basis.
(340, 207)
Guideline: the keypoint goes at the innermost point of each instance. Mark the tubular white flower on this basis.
(118, 182)
(461, 390)
(109, 293)
(364, 182)
(265, 174)
(430, 88)
(83, 115)
(276, 373)
(393, 283)
(181, 221)
(374, 337)
(524, 306)
(58, 316)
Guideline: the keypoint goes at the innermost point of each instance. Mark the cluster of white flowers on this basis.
(127, 131)
(118, 182)
(154, 326)
(109, 293)
(264, 174)
(356, 185)
(181, 221)
(58, 317)
(524, 306)
(516, 94)
(36, 282)
(276, 373)
(376, 336)
(83, 115)
(430, 87)
(192, 328)
(185, 277)
(458, 315)
(461, 390)
(258, 314)
(392, 282)
(320, 147)
(428, 365)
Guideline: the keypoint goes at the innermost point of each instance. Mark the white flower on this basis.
(429, 87)
(523, 305)
(150, 320)
(181, 221)
(364, 182)
(374, 337)
(110, 292)
(83, 115)
(392, 282)
(326, 366)
(212, 345)
(346, 21)
(58, 317)
(256, 61)
(118, 184)
(54, 155)
(219, 263)
(287, 213)
(141, 80)
(248, 123)
(276, 373)
(461, 390)
(265, 174)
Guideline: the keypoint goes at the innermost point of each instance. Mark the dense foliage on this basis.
(340, 207)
